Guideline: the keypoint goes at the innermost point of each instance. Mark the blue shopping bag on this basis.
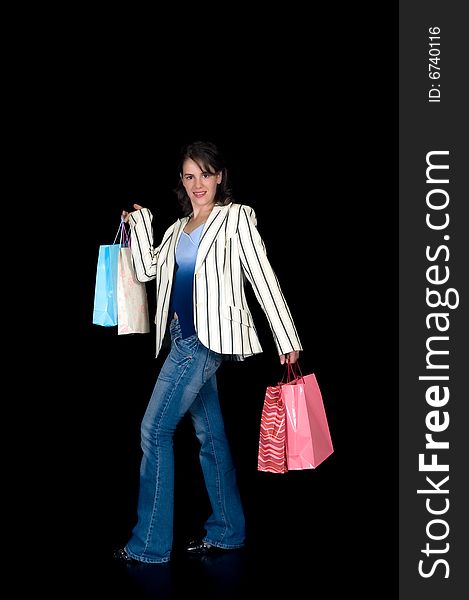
(105, 293)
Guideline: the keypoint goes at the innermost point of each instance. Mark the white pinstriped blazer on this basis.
(230, 252)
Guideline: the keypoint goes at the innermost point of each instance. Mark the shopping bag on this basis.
(105, 294)
(272, 443)
(132, 304)
(105, 309)
(308, 438)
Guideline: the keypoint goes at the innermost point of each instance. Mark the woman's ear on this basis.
(219, 177)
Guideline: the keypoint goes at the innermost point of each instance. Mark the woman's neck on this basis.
(200, 215)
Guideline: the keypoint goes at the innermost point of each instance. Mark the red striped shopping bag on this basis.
(272, 442)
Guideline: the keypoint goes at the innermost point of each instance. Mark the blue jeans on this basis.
(187, 382)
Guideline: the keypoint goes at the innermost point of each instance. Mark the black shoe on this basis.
(123, 558)
(201, 548)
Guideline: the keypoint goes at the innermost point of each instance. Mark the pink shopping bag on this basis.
(308, 439)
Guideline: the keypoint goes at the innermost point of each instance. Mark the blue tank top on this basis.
(182, 292)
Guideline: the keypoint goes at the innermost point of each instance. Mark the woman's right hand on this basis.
(125, 215)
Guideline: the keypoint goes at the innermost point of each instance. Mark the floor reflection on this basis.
(226, 573)
(219, 576)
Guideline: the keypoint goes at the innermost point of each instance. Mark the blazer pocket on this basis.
(234, 313)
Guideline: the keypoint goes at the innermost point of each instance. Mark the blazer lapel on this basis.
(209, 234)
(176, 234)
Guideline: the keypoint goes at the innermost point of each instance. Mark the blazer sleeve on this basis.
(143, 253)
(261, 276)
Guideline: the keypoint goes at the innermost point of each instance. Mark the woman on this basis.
(200, 268)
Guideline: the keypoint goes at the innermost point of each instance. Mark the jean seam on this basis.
(209, 429)
(158, 478)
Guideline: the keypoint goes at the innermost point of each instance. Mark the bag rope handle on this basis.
(124, 238)
(291, 372)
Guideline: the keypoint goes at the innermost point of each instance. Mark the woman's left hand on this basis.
(125, 215)
(290, 357)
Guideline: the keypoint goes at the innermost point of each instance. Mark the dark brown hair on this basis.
(209, 159)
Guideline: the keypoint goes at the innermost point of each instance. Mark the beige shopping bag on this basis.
(132, 303)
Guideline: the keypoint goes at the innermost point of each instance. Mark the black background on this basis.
(308, 124)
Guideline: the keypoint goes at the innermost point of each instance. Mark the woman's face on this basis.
(201, 186)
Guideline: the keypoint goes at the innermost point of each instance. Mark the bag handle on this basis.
(292, 371)
(124, 237)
